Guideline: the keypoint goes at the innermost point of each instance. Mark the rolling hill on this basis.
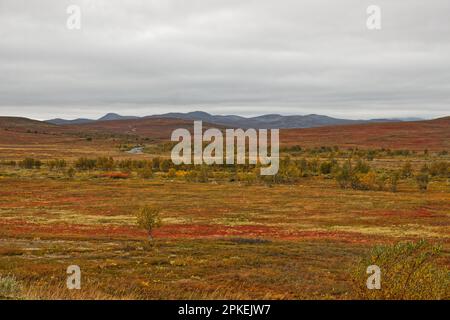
(417, 135)
(153, 128)
(19, 123)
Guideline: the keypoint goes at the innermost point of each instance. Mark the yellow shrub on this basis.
(409, 271)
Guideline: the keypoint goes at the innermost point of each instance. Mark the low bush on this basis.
(10, 287)
(440, 169)
(85, 164)
(409, 270)
(422, 180)
(57, 164)
(30, 163)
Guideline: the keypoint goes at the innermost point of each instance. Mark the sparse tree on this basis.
(146, 173)
(30, 163)
(344, 175)
(362, 167)
(57, 164)
(393, 181)
(155, 163)
(326, 167)
(70, 173)
(422, 180)
(149, 218)
(406, 171)
(85, 163)
(164, 165)
(440, 169)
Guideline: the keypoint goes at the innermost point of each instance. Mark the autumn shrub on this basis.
(422, 180)
(57, 164)
(125, 165)
(104, 163)
(10, 287)
(409, 270)
(365, 181)
(344, 175)
(164, 165)
(30, 163)
(203, 174)
(287, 173)
(440, 169)
(148, 218)
(381, 181)
(172, 173)
(361, 167)
(70, 173)
(370, 155)
(146, 173)
(10, 163)
(406, 171)
(191, 176)
(155, 163)
(393, 181)
(326, 167)
(247, 177)
(85, 163)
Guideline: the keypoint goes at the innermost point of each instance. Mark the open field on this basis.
(22, 137)
(221, 238)
(418, 135)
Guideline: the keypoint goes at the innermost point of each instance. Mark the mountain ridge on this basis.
(267, 121)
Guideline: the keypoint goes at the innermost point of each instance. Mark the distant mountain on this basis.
(60, 121)
(115, 116)
(396, 119)
(106, 117)
(269, 121)
(408, 119)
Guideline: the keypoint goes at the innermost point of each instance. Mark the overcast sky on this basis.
(246, 57)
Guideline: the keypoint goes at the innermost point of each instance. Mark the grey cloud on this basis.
(225, 56)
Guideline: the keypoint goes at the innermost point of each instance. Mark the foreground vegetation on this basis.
(226, 232)
(409, 272)
(352, 168)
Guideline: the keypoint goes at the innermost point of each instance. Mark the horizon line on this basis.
(247, 116)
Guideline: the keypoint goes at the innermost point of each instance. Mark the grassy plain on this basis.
(220, 239)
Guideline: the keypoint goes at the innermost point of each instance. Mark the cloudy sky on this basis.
(246, 57)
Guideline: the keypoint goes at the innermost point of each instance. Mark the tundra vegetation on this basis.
(228, 232)
(410, 271)
(149, 219)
